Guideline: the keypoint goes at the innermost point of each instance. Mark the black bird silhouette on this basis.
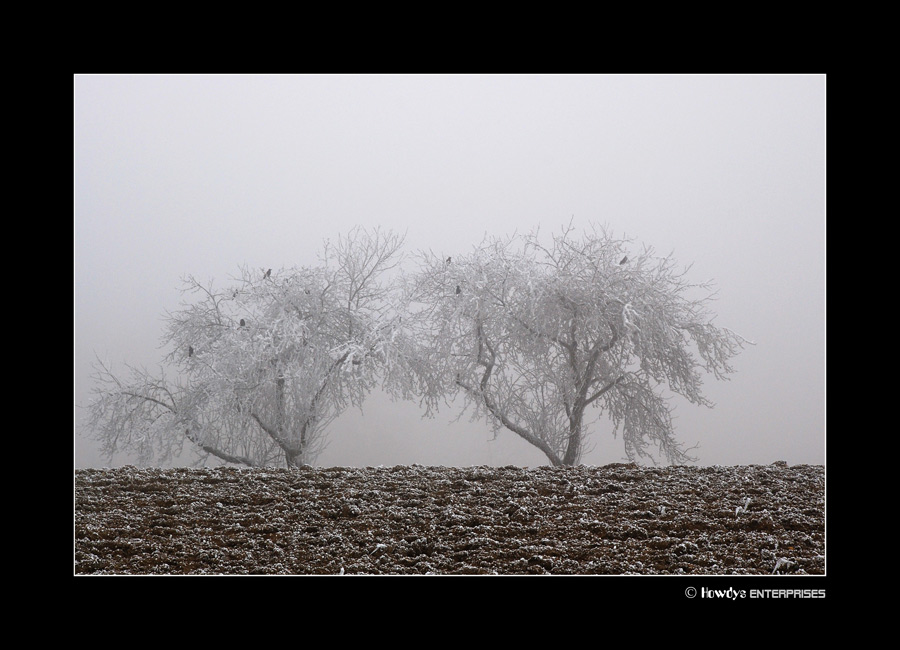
(242, 322)
(268, 273)
(458, 290)
(190, 351)
(449, 259)
(624, 259)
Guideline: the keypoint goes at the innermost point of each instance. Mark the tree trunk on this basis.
(294, 458)
(573, 448)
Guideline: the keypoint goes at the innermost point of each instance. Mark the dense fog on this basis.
(201, 175)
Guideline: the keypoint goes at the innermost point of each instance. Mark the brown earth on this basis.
(617, 519)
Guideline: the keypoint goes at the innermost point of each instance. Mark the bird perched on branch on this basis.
(268, 273)
(243, 322)
(624, 259)
(449, 259)
(458, 290)
(190, 351)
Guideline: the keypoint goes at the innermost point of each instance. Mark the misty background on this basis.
(178, 175)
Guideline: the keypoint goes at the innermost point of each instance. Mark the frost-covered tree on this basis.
(259, 369)
(539, 336)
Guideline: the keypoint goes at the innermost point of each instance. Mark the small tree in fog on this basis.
(259, 369)
(537, 337)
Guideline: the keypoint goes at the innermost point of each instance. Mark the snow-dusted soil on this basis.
(617, 519)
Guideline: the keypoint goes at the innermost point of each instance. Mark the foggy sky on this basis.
(199, 175)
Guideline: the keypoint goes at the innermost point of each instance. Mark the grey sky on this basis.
(201, 174)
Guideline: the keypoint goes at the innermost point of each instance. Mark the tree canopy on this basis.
(261, 367)
(541, 337)
(534, 335)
